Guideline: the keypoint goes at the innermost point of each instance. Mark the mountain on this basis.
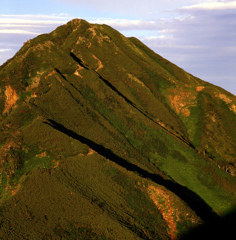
(101, 138)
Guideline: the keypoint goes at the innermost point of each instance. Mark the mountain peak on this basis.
(102, 138)
(77, 21)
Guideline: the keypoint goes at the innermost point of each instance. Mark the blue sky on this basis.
(197, 35)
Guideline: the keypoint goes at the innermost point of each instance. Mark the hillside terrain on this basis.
(101, 138)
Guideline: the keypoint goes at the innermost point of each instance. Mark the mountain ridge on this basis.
(85, 94)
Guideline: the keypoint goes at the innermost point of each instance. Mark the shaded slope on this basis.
(86, 111)
(196, 203)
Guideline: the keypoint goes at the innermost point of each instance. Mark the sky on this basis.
(197, 35)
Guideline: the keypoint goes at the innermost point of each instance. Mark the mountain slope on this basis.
(101, 138)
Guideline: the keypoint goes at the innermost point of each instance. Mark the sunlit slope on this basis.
(101, 138)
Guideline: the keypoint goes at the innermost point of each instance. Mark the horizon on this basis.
(196, 35)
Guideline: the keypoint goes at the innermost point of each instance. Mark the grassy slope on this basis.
(118, 106)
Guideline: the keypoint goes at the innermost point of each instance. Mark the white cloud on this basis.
(17, 31)
(4, 50)
(33, 20)
(27, 21)
(37, 16)
(156, 37)
(127, 24)
(211, 6)
(29, 25)
(167, 31)
(128, 8)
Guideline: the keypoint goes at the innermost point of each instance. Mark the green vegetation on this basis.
(94, 120)
(191, 170)
(145, 212)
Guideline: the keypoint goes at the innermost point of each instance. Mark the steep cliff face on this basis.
(101, 138)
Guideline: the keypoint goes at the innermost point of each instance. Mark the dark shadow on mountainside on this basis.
(220, 228)
(77, 60)
(195, 202)
(142, 111)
